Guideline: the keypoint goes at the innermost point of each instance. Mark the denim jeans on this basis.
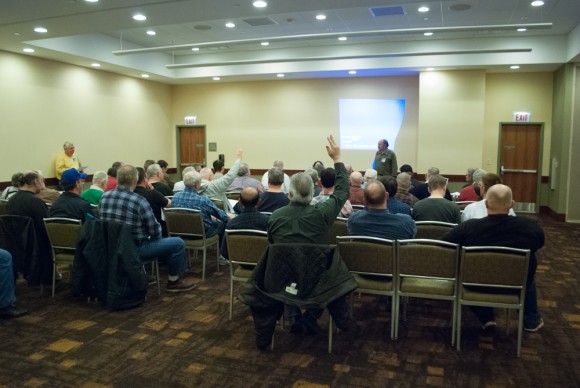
(170, 248)
(7, 296)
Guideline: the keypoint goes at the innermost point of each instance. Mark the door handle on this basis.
(515, 170)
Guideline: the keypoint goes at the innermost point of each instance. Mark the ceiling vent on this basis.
(256, 22)
(387, 11)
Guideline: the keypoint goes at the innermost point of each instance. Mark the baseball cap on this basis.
(72, 175)
(406, 168)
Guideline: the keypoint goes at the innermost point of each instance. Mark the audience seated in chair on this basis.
(11, 190)
(356, 196)
(500, 229)
(280, 166)
(328, 179)
(274, 198)
(124, 206)
(421, 190)
(95, 192)
(244, 179)
(393, 204)
(216, 189)
(436, 207)
(472, 192)
(376, 220)
(478, 209)
(403, 186)
(155, 176)
(156, 200)
(8, 308)
(70, 204)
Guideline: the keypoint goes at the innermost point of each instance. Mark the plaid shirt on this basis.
(190, 199)
(123, 205)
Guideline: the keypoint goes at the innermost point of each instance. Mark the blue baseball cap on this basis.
(72, 175)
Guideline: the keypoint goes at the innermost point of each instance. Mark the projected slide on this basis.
(364, 121)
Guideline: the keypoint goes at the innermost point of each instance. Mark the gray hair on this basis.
(432, 171)
(301, 188)
(314, 174)
(244, 169)
(191, 178)
(275, 177)
(279, 164)
(127, 175)
(100, 177)
(470, 171)
(188, 169)
(403, 178)
(477, 175)
(153, 170)
(205, 172)
(67, 144)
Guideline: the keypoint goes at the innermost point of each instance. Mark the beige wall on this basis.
(517, 92)
(108, 117)
(451, 117)
(290, 119)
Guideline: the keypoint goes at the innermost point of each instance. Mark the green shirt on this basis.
(304, 223)
(92, 196)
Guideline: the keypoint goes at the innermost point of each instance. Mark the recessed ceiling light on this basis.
(265, 43)
(521, 29)
(230, 25)
(145, 75)
(423, 9)
(537, 3)
(280, 75)
(42, 30)
(139, 17)
(430, 69)
(216, 78)
(28, 50)
(514, 67)
(195, 49)
(95, 64)
(320, 17)
(92, 1)
(342, 38)
(428, 33)
(151, 33)
(260, 4)
(352, 72)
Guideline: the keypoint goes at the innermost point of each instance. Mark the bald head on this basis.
(356, 178)
(249, 197)
(498, 199)
(375, 195)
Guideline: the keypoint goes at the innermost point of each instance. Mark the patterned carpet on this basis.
(187, 340)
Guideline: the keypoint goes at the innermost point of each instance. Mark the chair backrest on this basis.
(246, 246)
(218, 203)
(338, 228)
(356, 208)
(494, 267)
(184, 222)
(367, 255)
(427, 258)
(3, 203)
(235, 195)
(432, 230)
(63, 233)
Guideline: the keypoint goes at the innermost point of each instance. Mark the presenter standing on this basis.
(385, 160)
(67, 160)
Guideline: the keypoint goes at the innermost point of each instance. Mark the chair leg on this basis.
(156, 266)
(231, 297)
(395, 318)
(217, 255)
(203, 264)
(520, 331)
(453, 322)
(54, 269)
(330, 333)
(458, 326)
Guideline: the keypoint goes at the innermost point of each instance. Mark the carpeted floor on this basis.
(187, 340)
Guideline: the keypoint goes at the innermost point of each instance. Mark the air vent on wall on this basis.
(387, 11)
(255, 22)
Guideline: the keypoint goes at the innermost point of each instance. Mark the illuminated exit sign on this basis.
(522, 116)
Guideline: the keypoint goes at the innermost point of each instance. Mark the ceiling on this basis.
(383, 37)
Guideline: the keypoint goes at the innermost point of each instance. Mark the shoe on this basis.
(224, 261)
(536, 328)
(12, 312)
(180, 286)
(489, 326)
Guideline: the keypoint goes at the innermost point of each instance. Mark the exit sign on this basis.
(522, 116)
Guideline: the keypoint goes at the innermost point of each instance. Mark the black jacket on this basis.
(317, 270)
(107, 265)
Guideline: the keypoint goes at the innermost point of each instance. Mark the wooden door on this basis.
(191, 145)
(519, 164)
